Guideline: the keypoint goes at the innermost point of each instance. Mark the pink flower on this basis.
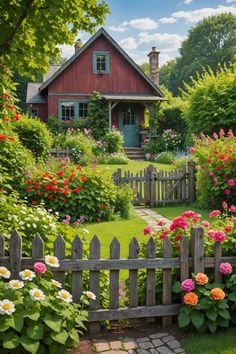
(224, 205)
(179, 223)
(217, 235)
(67, 219)
(232, 209)
(211, 173)
(222, 132)
(225, 268)
(214, 213)
(196, 218)
(189, 214)
(215, 135)
(205, 223)
(230, 133)
(147, 230)
(161, 222)
(40, 267)
(231, 182)
(187, 285)
(227, 191)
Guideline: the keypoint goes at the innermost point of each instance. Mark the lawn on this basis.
(219, 343)
(171, 212)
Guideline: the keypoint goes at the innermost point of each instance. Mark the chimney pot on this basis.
(154, 65)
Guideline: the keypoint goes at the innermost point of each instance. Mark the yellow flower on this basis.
(90, 295)
(52, 261)
(27, 275)
(5, 273)
(7, 307)
(37, 294)
(64, 296)
(16, 284)
(56, 283)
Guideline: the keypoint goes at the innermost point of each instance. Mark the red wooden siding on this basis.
(53, 102)
(42, 110)
(78, 77)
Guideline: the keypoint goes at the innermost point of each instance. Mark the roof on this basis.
(116, 45)
(52, 69)
(33, 95)
(132, 98)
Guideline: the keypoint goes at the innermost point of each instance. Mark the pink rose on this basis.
(231, 182)
(40, 267)
(211, 173)
(161, 222)
(214, 213)
(147, 230)
(227, 191)
(224, 205)
(232, 209)
(226, 268)
(205, 223)
(179, 223)
(222, 132)
(217, 235)
(187, 285)
(189, 214)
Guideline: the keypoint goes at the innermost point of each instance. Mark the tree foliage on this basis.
(210, 101)
(32, 29)
(212, 42)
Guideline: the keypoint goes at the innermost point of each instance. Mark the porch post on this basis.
(109, 109)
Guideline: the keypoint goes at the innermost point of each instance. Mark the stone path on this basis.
(151, 217)
(158, 343)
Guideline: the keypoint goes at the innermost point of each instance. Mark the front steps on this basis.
(134, 153)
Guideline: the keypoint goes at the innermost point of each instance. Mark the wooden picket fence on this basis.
(191, 259)
(60, 153)
(157, 187)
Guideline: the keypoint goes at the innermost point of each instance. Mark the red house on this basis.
(99, 65)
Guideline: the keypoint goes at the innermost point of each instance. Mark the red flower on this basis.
(83, 179)
(231, 182)
(228, 228)
(53, 188)
(58, 190)
(78, 167)
(7, 119)
(28, 188)
(37, 185)
(54, 181)
(72, 176)
(178, 237)
(29, 181)
(3, 137)
(50, 196)
(33, 202)
(66, 182)
(218, 167)
(10, 106)
(98, 219)
(227, 191)
(77, 189)
(17, 116)
(66, 190)
(12, 138)
(40, 194)
(60, 173)
(47, 187)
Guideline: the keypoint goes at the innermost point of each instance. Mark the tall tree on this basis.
(31, 30)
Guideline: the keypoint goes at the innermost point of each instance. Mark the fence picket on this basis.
(77, 277)
(37, 247)
(184, 258)
(59, 252)
(114, 275)
(151, 281)
(166, 296)
(133, 274)
(15, 254)
(197, 240)
(2, 246)
(218, 255)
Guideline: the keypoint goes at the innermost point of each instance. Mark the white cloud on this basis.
(128, 43)
(121, 28)
(186, 2)
(145, 24)
(67, 50)
(167, 20)
(197, 15)
(165, 41)
(230, 1)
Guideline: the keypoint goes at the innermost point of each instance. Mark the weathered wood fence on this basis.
(157, 187)
(191, 259)
(60, 153)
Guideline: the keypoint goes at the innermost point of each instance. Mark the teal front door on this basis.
(128, 126)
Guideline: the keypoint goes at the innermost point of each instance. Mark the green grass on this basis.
(171, 212)
(220, 343)
(135, 166)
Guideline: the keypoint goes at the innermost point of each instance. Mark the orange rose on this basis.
(190, 298)
(201, 278)
(217, 294)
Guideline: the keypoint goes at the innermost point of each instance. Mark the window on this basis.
(67, 110)
(33, 112)
(83, 109)
(101, 62)
(128, 116)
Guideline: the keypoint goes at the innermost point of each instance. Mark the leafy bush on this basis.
(34, 135)
(113, 140)
(216, 159)
(56, 126)
(98, 116)
(166, 157)
(36, 315)
(210, 102)
(124, 199)
(169, 140)
(113, 159)
(180, 162)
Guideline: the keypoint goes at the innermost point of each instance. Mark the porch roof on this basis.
(132, 98)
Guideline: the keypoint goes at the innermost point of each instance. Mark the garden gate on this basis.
(157, 187)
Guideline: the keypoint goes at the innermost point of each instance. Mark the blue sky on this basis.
(137, 25)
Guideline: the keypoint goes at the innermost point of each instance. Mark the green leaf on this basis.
(29, 344)
(60, 337)
(223, 322)
(74, 335)
(197, 319)
(224, 313)
(16, 322)
(4, 326)
(212, 326)
(10, 340)
(176, 287)
(211, 314)
(204, 303)
(222, 304)
(53, 322)
(36, 331)
(33, 315)
(183, 320)
(232, 296)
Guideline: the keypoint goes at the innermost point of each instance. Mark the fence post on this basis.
(191, 177)
(15, 255)
(184, 258)
(218, 254)
(151, 185)
(167, 281)
(197, 243)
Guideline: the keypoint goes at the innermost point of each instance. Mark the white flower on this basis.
(90, 295)
(52, 261)
(85, 231)
(56, 283)
(7, 307)
(27, 275)
(37, 294)
(64, 295)
(5, 273)
(15, 284)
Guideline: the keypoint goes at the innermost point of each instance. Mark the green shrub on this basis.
(124, 199)
(34, 135)
(97, 119)
(113, 159)
(180, 162)
(166, 157)
(56, 126)
(113, 140)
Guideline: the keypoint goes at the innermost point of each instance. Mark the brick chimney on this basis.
(154, 65)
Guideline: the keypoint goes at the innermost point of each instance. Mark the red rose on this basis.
(47, 187)
(28, 188)
(12, 138)
(60, 173)
(37, 185)
(77, 189)
(228, 228)
(66, 191)
(83, 179)
(3, 137)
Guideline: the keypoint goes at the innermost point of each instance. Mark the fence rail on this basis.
(191, 258)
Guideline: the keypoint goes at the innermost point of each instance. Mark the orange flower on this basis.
(191, 298)
(201, 279)
(217, 294)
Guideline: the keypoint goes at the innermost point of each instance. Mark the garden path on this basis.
(151, 217)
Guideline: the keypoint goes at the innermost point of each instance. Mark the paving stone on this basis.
(132, 351)
(157, 342)
(129, 344)
(116, 344)
(143, 339)
(142, 351)
(179, 350)
(146, 345)
(114, 352)
(102, 346)
(153, 351)
(173, 344)
(168, 339)
(158, 335)
(164, 350)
